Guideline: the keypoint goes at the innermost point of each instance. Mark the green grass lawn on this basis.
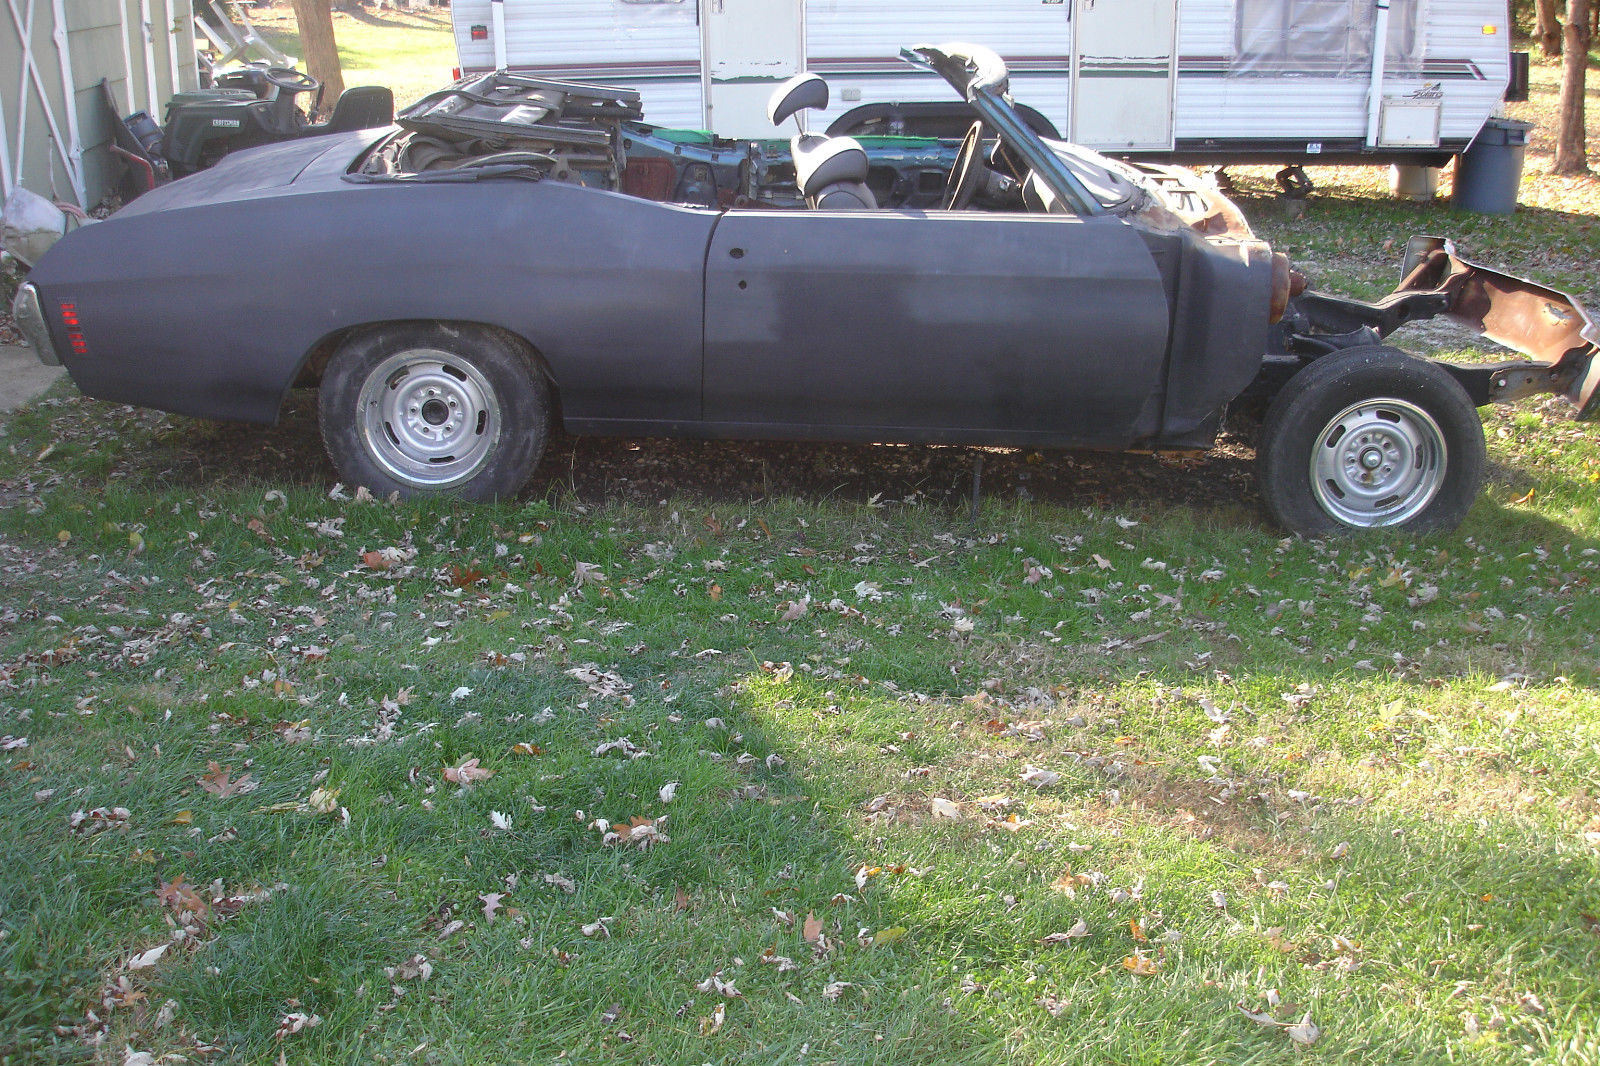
(661, 768)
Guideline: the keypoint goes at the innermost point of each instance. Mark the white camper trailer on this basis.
(1409, 81)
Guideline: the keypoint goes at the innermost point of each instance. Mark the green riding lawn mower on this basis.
(256, 104)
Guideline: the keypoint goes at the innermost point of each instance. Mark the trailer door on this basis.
(749, 47)
(1124, 62)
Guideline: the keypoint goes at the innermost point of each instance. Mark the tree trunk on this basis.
(1571, 143)
(315, 19)
(1547, 27)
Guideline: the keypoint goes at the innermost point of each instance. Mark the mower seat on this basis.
(364, 107)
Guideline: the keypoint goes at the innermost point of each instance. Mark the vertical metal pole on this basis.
(497, 17)
(25, 31)
(5, 154)
(69, 90)
(149, 57)
(172, 45)
(127, 60)
(1380, 53)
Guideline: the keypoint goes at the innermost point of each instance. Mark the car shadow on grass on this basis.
(203, 456)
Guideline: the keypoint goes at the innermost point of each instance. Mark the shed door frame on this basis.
(747, 48)
(1124, 74)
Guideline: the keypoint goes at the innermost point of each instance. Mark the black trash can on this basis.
(1489, 172)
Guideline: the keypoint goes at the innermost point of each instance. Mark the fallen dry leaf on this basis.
(415, 968)
(640, 832)
(323, 800)
(1141, 965)
(290, 1024)
(216, 781)
(716, 984)
(146, 959)
(1305, 1031)
(1079, 930)
(784, 964)
(1038, 778)
(467, 774)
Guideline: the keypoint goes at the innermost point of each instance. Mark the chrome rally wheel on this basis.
(418, 408)
(428, 418)
(1370, 438)
(1378, 463)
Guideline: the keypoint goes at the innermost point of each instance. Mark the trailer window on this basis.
(1322, 38)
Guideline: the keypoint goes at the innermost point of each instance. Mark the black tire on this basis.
(426, 408)
(1370, 438)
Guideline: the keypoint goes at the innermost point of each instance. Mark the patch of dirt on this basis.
(594, 470)
(1198, 809)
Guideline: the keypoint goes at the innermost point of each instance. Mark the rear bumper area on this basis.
(30, 320)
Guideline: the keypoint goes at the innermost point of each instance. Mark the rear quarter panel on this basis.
(210, 308)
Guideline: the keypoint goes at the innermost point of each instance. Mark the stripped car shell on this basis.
(450, 310)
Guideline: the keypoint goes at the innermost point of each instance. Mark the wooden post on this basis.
(315, 19)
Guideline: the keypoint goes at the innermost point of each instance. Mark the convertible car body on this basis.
(455, 284)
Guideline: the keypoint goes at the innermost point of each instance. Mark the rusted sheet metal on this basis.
(1534, 319)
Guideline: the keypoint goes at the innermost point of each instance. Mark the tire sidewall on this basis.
(519, 391)
(1306, 405)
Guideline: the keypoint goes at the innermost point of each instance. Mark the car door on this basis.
(954, 326)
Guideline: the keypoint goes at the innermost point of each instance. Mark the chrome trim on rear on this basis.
(30, 320)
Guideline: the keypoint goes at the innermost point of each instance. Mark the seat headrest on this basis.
(800, 93)
(823, 161)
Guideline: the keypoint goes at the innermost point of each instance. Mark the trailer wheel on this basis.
(1370, 438)
(425, 408)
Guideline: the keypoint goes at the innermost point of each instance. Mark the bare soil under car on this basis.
(594, 470)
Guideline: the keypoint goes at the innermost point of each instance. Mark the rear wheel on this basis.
(423, 408)
(1370, 438)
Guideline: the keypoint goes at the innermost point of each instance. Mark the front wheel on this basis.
(426, 408)
(1370, 438)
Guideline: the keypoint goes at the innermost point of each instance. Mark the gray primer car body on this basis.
(656, 318)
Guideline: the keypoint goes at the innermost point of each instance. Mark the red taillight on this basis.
(480, 32)
(69, 318)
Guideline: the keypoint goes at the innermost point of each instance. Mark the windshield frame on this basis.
(980, 76)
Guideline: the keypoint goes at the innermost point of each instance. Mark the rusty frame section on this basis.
(1541, 322)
